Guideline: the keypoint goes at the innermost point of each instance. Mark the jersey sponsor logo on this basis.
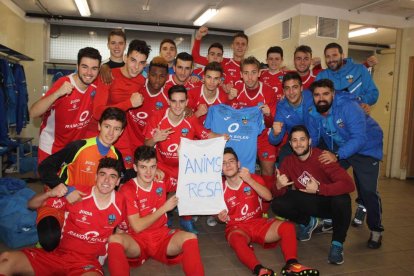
(91, 236)
(141, 115)
(185, 131)
(304, 178)
(84, 115)
(111, 219)
(244, 209)
(84, 212)
(172, 148)
(247, 190)
(233, 127)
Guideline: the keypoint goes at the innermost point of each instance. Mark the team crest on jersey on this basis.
(245, 120)
(93, 93)
(340, 123)
(247, 190)
(128, 159)
(184, 131)
(265, 154)
(158, 105)
(88, 267)
(111, 219)
(159, 191)
(260, 104)
(350, 78)
(280, 78)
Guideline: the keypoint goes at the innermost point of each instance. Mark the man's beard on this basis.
(337, 65)
(323, 108)
(306, 151)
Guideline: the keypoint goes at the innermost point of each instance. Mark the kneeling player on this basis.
(87, 226)
(243, 193)
(149, 236)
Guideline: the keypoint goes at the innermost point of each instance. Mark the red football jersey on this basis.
(146, 201)
(231, 70)
(274, 80)
(196, 97)
(87, 227)
(118, 94)
(170, 82)
(67, 118)
(243, 203)
(309, 78)
(138, 117)
(167, 150)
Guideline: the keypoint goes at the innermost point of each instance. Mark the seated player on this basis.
(321, 190)
(148, 235)
(88, 225)
(243, 193)
(74, 167)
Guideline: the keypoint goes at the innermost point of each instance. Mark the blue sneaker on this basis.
(305, 232)
(188, 225)
(336, 254)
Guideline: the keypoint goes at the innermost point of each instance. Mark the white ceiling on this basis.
(233, 15)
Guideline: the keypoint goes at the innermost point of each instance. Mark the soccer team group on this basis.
(119, 125)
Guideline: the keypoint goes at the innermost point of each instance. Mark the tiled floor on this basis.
(396, 257)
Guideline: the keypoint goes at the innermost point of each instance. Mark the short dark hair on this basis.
(322, 83)
(299, 128)
(250, 60)
(140, 46)
(110, 163)
(178, 88)
(144, 153)
(213, 66)
(242, 35)
(292, 75)
(117, 32)
(184, 56)
(304, 49)
(114, 113)
(158, 62)
(216, 45)
(168, 40)
(231, 151)
(334, 45)
(89, 52)
(275, 50)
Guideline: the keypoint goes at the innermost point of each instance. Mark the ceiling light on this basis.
(83, 7)
(363, 31)
(206, 16)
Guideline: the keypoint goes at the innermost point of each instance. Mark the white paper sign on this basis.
(200, 188)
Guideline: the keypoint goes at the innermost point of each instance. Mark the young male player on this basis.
(123, 92)
(164, 131)
(273, 75)
(73, 168)
(243, 193)
(183, 67)
(66, 109)
(88, 225)
(208, 94)
(148, 235)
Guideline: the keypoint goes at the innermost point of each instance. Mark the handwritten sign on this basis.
(199, 188)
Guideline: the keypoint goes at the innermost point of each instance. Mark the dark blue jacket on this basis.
(353, 131)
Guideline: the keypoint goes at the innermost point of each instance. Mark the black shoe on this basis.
(375, 240)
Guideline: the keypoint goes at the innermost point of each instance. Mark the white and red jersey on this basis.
(67, 118)
(231, 70)
(170, 82)
(86, 226)
(199, 72)
(146, 201)
(310, 77)
(274, 80)
(137, 118)
(243, 203)
(196, 97)
(167, 150)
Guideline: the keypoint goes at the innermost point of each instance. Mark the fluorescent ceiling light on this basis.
(83, 7)
(206, 16)
(363, 31)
